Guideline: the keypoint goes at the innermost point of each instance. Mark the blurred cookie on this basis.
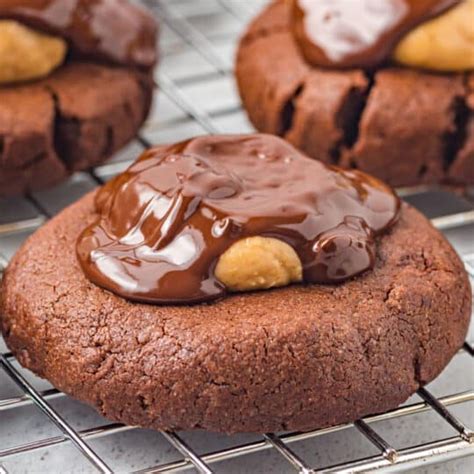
(74, 115)
(403, 125)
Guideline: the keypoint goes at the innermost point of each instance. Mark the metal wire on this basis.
(408, 458)
(289, 455)
(256, 446)
(24, 400)
(469, 348)
(388, 451)
(189, 454)
(388, 459)
(3, 264)
(437, 406)
(89, 434)
(183, 28)
(453, 220)
(54, 416)
(167, 86)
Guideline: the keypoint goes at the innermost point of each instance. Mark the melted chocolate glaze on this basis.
(111, 30)
(362, 33)
(164, 223)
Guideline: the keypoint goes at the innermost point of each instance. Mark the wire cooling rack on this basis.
(197, 95)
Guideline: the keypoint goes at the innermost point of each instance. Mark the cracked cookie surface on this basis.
(296, 358)
(72, 120)
(373, 122)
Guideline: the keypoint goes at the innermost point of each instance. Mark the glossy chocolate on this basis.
(359, 33)
(164, 222)
(111, 30)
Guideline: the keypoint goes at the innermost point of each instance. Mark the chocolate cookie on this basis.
(402, 125)
(74, 119)
(87, 107)
(296, 358)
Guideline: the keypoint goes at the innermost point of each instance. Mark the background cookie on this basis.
(76, 86)
(404, 126)
(73, 120)
(295, 358)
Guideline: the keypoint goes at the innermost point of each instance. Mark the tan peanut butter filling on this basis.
(26, 54)
(258, 263)
(36, 34)
(193, 221)
(445, 43)
(430, 34)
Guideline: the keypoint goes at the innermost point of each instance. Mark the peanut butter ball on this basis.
(26, 54)
(257, 263)
(445, 43)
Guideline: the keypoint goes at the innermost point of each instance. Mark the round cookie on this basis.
(72, 120)
(80, 91)
(374, 122)
(296, 358)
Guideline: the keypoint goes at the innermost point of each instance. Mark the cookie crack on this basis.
(417, 370)
(349, 116)
(288, 110)
(146, 84)
(455, 138)
(388, 293)
(349, 119)
(59, 121)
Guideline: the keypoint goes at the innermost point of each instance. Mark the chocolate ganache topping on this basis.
(163, 224)
(358, 33)
(110, 30)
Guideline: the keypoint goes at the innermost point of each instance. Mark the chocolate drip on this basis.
(164, 223)
(362, 33)
(110, 30)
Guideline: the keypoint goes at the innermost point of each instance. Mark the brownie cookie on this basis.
(85, 109)
(404, 125)
(72, 120)
(296, 358)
